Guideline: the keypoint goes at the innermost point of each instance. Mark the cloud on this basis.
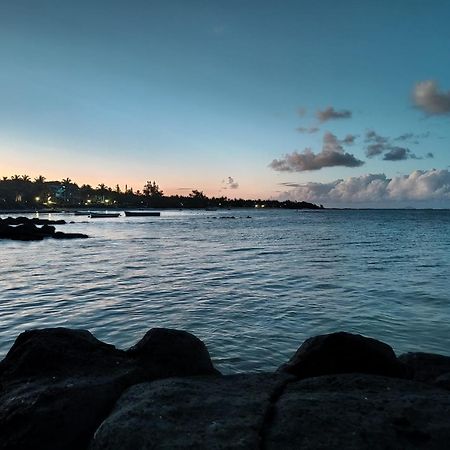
(381, 145)
(332, 154)
(230, 183)
(377, 189)
(330, 114)
(308, 130)
(399, 154)
(427, 97)
(349, 139)
(289, 184)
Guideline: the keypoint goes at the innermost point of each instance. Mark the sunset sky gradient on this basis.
(285, 98)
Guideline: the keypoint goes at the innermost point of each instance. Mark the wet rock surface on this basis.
(25, 229)
(65, 389)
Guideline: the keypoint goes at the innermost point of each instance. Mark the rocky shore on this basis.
(25, 229)
(64, 389)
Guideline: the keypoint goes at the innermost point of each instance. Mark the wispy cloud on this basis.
(331, 114)
(412, 137)
(382, 145)
(332, 154)
(290, 184)
(230, 183)
(426, 96)
(308, 130)
(420, 185)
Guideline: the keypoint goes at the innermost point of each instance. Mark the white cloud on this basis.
(427, 97)
(378, 190)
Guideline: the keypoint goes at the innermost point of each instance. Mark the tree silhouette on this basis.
(40, 179)
(151, 189)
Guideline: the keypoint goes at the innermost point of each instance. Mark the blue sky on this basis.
(189, 93)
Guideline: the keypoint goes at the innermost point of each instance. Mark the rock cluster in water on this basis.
(64, 389)
(25, 229)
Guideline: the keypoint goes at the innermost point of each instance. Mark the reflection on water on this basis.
(252, 289)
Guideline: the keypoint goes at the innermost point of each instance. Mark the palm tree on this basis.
(102, 189)
(15, 177)
(26, 178)
(40, 179)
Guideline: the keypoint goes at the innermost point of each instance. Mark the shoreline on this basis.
(63, 388)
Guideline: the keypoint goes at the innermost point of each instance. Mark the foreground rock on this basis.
(203, 412)
(24, 229)
(344, 353)
(57, 385)
(65, 389)
(360, 412)
(56, 413)
(173, 353)
(428, 368)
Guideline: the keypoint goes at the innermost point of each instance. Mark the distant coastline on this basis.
(20, 193)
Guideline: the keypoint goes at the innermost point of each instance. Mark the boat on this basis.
(142, 213)
(103, 215)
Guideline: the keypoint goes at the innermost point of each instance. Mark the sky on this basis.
(341, 103)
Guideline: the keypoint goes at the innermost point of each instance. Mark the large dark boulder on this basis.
(60, 352)
(55, 414)
(428, 367)
(357, 411)
(343, 353)
(165, 353)
(57, 385)
(227, 412)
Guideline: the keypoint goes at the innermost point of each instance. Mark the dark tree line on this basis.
(20, 191)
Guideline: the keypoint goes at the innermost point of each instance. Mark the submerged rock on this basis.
(35, 221)
(61, 235)
(343, 353)
(24, 229)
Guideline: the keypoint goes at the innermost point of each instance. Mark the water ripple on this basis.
(253, 290)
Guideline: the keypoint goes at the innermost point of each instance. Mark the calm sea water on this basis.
(251, 288)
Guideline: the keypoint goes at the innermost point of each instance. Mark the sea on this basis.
(252, 284)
